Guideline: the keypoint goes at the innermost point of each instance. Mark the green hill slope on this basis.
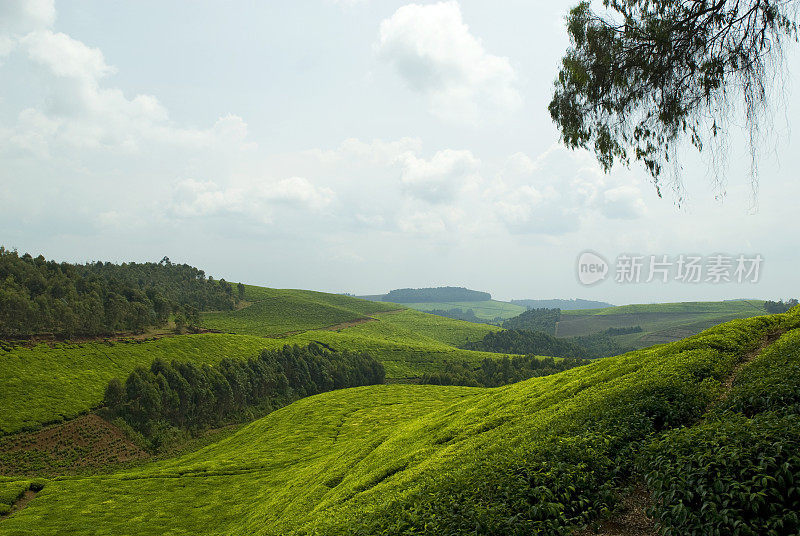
(274, 312)
(541, 456)
(486, 310)
(44, 384)
(663, 322)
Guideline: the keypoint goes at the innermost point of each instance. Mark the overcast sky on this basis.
(349, 146)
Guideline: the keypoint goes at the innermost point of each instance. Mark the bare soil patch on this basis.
(632, 520)
(85, 442)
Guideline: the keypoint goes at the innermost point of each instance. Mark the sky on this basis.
(356, 146)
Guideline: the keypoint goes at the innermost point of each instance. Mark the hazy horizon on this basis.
(350, 146)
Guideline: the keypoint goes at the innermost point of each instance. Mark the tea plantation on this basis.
(43, 383)
(709, 426)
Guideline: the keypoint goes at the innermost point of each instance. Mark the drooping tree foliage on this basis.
(189, 397)
(39, 297)
(647, 74)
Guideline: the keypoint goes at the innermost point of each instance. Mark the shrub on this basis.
(735, 477)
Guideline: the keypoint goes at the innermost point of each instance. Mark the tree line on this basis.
(497, 372)
(39, 297)
(172, 398)
(542, 319)
(774, 307)
(518, 341)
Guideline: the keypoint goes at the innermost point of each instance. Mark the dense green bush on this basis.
(738, 472)
(524, 342)
(521, 341)
(170, 397)
(779, 306)
(736, 476)
(535, 320)
(38, 296)
(497, 372)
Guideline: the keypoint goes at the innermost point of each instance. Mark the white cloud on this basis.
(18, 17)
(554, 193)
(257, 200)
(375, 152)
(65, 56)
(440, 178)
(434, 52)
(623, 203)
(299, 191)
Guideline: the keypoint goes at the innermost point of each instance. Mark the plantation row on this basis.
(45, 297)
(191, 397)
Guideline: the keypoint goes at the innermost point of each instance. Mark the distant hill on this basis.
(438, 294)
(452, 302)
(659, 323)
(564, 305)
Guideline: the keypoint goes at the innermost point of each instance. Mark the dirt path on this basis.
(633, 520)
(20, 503)
(727, 384)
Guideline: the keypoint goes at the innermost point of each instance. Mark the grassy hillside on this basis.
(487, 310)
(44, 384)
(663, 322)
(408, 343)
(272, 312)
(544, 455)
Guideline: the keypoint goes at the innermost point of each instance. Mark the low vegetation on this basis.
(564, 305)
(547, 455)
(48, 383)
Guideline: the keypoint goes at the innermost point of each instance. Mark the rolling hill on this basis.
(452, 299)
(661, 323)
(47, 383)
(485, 310)
(709, 426)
